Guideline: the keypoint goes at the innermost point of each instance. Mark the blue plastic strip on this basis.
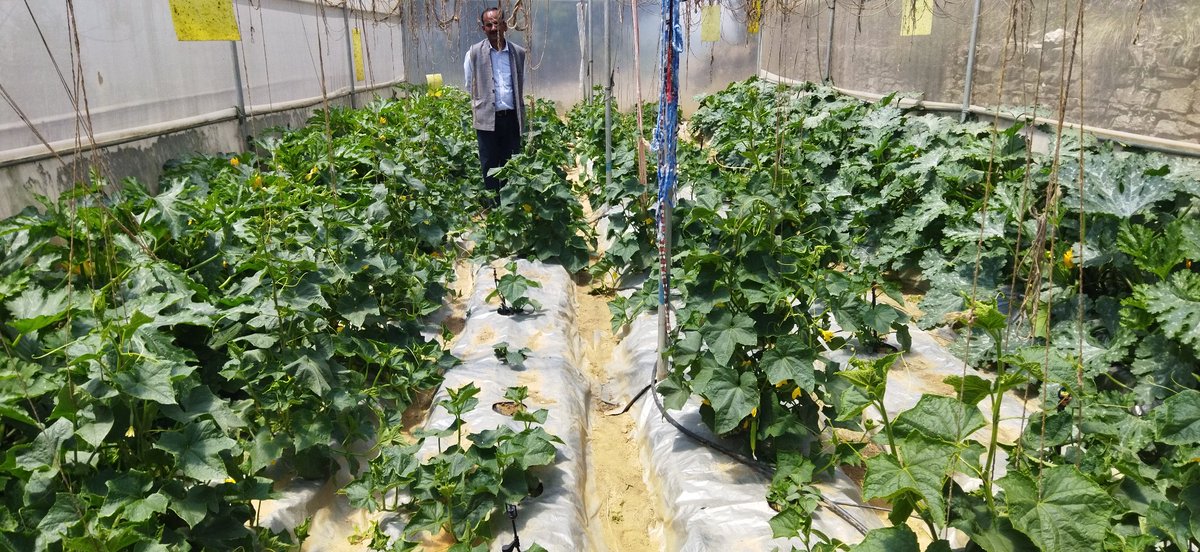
(666, 134)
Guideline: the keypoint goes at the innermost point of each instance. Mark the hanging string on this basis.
(637, 80)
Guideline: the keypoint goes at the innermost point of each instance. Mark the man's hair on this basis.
(493, 8)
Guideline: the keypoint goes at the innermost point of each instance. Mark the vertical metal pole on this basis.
(966, 107)
(241, 93)
(591, 47)
(585, 91)
(829, 46)
(670, 67)
(608, 89)
(664, 304)
(349, 52)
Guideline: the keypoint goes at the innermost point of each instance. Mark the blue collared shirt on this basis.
(502, 83)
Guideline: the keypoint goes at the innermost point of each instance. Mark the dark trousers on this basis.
(495, 149)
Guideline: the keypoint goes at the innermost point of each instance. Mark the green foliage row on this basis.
(166, 356)
(538, 217)
(460, 488)
(1070, 274)
(625, 202)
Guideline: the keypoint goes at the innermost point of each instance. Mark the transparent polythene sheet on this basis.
(708, 500)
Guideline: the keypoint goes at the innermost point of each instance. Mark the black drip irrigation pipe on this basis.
(752, 463)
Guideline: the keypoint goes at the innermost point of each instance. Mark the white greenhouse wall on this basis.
(134, 93)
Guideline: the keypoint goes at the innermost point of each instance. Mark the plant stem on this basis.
(997, 395)
(887, 428)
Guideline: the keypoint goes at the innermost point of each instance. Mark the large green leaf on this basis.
(1162, 366)
(200, 401)
(889, 539)
(195, 504)
(142, 509)
(198, 450)
(150, 381)
(1114, 186)
(1069, 514)
(266, 449)
(790, 360)
(923, 470)
(789, 522)
(43, 452)
(986, 527)
(36, 308)
(943, 418)
(733, 397)
(94, 423)
(356, 307)
(59, 520)
(970, 389)
(169, 209)
(1176, 306)
(530, 448)
(674, 392)
(1047, 430)
(725, 331)
(313, 371)
(122, 489)
(1178, 418)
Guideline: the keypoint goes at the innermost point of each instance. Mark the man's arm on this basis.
(467, 71)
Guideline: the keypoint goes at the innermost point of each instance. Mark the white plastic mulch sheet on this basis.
(709, 501)
(557, 519)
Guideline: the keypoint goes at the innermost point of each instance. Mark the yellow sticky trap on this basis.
(710, 23)
(917, 18)
(360, 73)
(204, 20)
(755, 16)
(434, 80)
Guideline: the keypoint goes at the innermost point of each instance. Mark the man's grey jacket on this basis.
(483, 99)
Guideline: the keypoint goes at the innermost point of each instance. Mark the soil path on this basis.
(630, 517)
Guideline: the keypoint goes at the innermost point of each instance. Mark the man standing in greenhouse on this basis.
(495, 78)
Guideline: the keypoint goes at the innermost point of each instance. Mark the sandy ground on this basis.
(627, 511)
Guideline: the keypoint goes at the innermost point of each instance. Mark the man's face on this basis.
(493, 26)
